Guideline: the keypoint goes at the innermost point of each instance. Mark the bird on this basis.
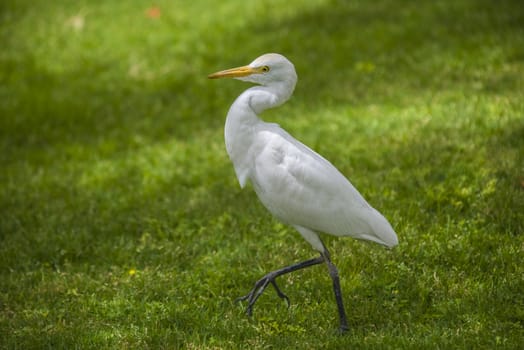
(296, 184)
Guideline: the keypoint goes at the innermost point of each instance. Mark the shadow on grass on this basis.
(506, 210)
(345, 53)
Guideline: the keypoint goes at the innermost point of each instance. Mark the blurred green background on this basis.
(122, 224)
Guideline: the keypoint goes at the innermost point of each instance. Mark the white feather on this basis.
(294, 183)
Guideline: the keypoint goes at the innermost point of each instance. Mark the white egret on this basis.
(294, 183)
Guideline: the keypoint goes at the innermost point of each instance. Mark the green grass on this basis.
(121, 221)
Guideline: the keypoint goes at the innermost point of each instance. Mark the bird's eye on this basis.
(265, 69)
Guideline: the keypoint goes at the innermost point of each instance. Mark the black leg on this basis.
(262, 283)
(333, 272)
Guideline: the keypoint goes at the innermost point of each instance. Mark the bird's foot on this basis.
(344, 328)
(258, 289)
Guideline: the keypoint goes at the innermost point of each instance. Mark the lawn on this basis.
(122, 224)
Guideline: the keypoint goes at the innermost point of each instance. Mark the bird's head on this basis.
(267, 70)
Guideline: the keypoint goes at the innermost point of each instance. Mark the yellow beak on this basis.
(234, 72)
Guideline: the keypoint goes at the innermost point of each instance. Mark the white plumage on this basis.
(294, 183)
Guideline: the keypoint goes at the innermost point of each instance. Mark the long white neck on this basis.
(242, 121)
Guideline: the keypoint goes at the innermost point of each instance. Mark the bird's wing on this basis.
(302, 188)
